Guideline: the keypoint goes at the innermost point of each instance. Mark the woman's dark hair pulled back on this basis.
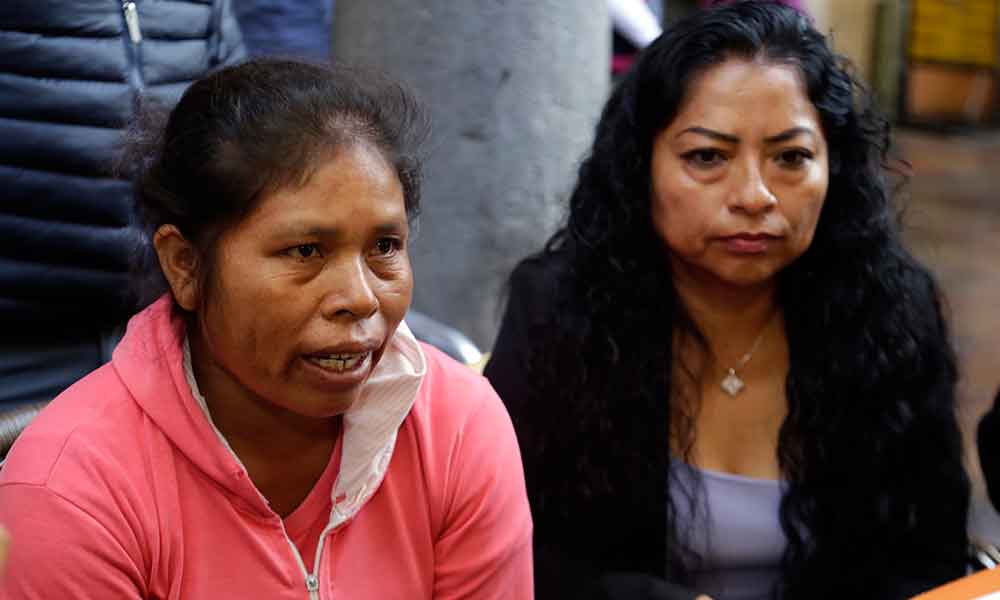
(249, 130)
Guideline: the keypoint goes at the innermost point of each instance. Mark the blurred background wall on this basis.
(514, 90)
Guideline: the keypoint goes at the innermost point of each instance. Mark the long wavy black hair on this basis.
(870, 450)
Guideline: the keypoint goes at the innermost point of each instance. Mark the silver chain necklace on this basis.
(732, 383)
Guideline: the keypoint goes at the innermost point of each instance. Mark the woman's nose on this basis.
(751, 193)
(349, 291)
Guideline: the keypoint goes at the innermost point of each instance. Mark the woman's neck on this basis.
(729, 387)
(731, 318)
(284, 453)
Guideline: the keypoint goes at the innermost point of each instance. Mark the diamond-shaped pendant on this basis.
(732, 384)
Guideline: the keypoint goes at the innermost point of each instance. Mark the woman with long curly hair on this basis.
(726, 370)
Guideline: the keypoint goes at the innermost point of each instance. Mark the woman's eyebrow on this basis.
(296, 231)
(788, 134)
(388, 227)
(718, 135)
(784, 136)
(391, 228)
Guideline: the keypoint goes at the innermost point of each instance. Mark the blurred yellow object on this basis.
(958, 32)
(480, 364)
(984, 585)
(938, 91)
(4, 543)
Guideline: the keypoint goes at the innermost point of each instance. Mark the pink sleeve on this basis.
(484, 550)
(57, 550)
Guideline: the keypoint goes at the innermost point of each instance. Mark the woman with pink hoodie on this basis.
(269, 427)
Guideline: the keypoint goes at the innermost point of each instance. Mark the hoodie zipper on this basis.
(311, 579)
(133, 50)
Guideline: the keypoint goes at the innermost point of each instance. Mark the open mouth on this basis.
(339, 363)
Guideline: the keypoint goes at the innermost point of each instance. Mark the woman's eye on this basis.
(704, 158)
(387, 246)
(303, 251)
(793, 158)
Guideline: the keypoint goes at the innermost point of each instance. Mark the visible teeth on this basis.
(340, 362)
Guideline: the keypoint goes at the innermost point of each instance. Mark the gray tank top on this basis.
(735, 530)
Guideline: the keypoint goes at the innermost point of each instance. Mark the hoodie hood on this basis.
(153, 361)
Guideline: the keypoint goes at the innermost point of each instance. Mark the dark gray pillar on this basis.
(514, 89)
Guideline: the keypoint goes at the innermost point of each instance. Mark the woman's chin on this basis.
(319, 406)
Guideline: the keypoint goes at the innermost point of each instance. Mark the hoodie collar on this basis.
(154, 362)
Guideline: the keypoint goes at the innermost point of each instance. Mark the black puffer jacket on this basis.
(70, 73)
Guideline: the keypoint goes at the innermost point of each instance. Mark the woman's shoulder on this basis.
(451, 392)
(86, 428)
(457, 415)
(536, 284)
(453, 401)
(457, 420)
(542, 272)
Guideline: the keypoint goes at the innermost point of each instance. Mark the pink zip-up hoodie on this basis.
(123, 488)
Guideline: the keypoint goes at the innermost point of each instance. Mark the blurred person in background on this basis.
(726, 370)
(71, 74)
(796, 4)
(269, 427)
(634, 26)
(299, 28)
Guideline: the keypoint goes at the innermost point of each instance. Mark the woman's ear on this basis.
(179, 261)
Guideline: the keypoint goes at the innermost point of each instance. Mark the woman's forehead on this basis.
(352, 188)
(747, 94)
